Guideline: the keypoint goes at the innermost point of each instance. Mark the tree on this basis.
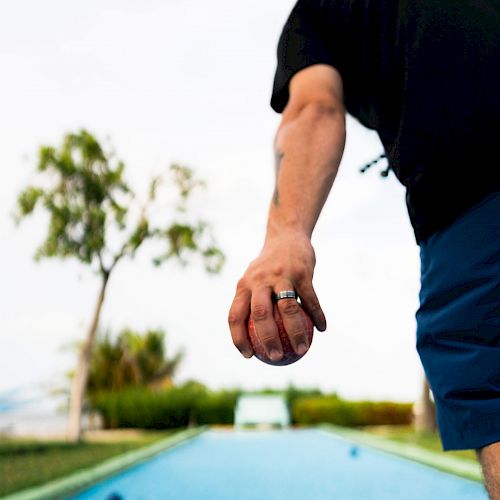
(424, 410)
(96, 218)
(131, 360)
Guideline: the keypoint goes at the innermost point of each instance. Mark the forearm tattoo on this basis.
(278, 156)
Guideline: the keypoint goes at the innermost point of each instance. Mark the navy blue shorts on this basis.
(458, 325)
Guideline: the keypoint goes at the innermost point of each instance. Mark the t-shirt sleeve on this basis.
(302, 43)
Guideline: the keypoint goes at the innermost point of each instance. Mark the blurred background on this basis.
(163, 82)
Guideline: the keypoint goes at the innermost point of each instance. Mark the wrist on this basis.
(289, 229)
(290, 221)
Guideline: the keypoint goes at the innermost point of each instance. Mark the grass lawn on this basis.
(25, 463)
(407, 434)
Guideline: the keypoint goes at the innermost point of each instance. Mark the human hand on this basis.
(286, 263)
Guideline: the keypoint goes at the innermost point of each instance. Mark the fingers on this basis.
(293, 321)
(237, 319)
(311, 305)
(265, 326)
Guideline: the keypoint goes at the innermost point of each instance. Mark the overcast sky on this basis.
(190, 82)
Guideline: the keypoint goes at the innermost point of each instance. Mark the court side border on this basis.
(78, 481)
(460, 467)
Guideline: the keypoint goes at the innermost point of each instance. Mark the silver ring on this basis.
(285, 294)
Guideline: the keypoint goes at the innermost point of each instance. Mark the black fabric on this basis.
(425, 76)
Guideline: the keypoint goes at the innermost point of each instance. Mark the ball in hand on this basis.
(289, 355)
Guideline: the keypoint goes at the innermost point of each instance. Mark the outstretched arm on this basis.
(308, 146)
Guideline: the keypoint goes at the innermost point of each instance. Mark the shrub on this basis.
(170, 408)
(216, 408)
(315, 410)
(193, 403)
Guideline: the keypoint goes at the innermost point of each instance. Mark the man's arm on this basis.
(308, 147)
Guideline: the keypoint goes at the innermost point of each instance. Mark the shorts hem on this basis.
(471, 443)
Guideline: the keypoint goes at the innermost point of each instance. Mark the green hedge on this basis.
(165, 409)
(316, 410)
(194, 404)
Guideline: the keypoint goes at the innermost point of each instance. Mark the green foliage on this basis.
(193, 403)
(213, 258)
(86, 197)
(293, 393)
(28, 199)
(183, 238)
(85, 184)
(170, 408)
(331, 409)
(216, 408)
(185, 182)
(131, 360)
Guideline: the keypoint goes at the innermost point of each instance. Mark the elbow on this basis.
(322, 124)
(319, 113)
(321, 109)
(315, 110)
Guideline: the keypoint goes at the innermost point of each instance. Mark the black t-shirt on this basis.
(425, 75)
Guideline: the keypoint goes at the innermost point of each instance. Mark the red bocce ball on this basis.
(289, 355)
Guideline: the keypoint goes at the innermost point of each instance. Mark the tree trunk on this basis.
(82, 371)
(425, 413)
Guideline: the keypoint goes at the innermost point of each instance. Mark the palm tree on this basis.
(133, 360)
